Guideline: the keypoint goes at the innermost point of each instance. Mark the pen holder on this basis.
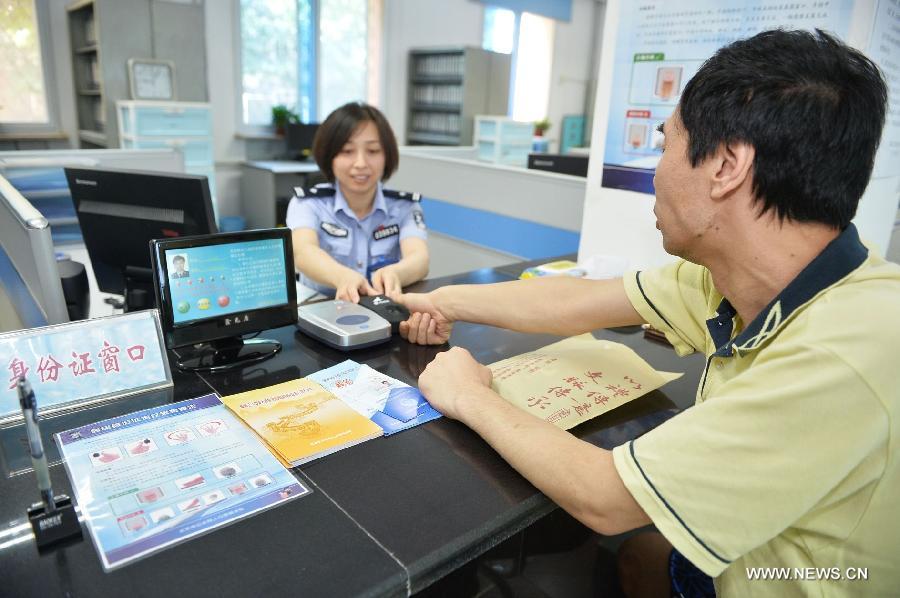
(53, 527)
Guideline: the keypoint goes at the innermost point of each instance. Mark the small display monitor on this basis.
(121, 211)
(212, 289)
(299, 138)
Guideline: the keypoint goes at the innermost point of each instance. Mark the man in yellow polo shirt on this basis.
(784, 478)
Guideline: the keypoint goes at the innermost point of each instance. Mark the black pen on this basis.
(38, 458)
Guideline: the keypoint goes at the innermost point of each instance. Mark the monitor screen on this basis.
(218, 286)
(121, 211)
(216, 280)
(299, 137)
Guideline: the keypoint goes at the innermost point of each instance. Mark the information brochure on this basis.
(391, 404)
(300, 420)
(576, 379)
(151, 479)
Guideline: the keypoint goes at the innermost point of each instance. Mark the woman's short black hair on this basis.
(811, 106)
(340, 126)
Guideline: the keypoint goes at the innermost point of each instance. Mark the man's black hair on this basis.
(341, 125)
(812, 107)
(178, 258)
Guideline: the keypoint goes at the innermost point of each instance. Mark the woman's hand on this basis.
(351, 285)
(386, 281)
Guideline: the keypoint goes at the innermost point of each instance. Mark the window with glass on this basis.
(23, 94)
(309, 55)
(529, 38)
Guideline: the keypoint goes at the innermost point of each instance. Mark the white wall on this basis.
(421, 24)
(573, 67)
(222, 41)
(616, 222)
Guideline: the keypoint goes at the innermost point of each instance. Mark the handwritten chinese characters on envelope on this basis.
(576, 379)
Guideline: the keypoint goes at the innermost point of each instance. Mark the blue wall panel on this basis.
(518, 237)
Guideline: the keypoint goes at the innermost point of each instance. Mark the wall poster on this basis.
(668, 43)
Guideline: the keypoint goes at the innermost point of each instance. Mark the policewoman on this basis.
(351, 236)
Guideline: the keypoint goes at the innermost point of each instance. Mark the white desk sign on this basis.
(80, 363)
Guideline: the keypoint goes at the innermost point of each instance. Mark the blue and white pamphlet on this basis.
(388, 402)
(151, 479)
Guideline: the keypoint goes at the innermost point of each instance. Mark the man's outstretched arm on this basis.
(562, 306)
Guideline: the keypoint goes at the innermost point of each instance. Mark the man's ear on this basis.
(734, 168)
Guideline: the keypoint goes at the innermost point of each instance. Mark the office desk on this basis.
(266, 183)
(386, 518)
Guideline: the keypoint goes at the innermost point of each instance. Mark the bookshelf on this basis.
(89, 96)
(105, 34)
(448, 87)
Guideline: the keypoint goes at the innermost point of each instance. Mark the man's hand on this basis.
(428, 324)
(386, 281)
(351, 285)
(451, 379)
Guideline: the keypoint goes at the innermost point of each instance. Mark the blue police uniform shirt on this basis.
(364, 245)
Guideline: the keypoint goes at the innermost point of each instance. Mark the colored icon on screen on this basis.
(224, 300)
(183, 307)
(203, 303)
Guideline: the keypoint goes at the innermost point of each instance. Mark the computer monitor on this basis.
(31, 293)
(299, 137)
(121, 211)
(213, 289)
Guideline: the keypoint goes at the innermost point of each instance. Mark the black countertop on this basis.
(386, 517)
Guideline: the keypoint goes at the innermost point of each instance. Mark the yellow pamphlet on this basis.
(300, 420)
(576, 379)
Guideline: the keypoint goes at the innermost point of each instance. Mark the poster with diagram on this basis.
(152, 479)
(668, 43)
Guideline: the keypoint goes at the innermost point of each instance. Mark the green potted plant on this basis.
(540, 126)
(281, 116)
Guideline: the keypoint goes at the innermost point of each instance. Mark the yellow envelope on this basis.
(576, 379)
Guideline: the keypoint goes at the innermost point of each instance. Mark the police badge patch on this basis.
(419, 217)
(334, 230)
(383, 232)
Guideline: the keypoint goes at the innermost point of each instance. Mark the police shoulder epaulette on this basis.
(401, 195)
(317, 191)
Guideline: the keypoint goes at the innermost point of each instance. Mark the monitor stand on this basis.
(224, 354)
(139, 293)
